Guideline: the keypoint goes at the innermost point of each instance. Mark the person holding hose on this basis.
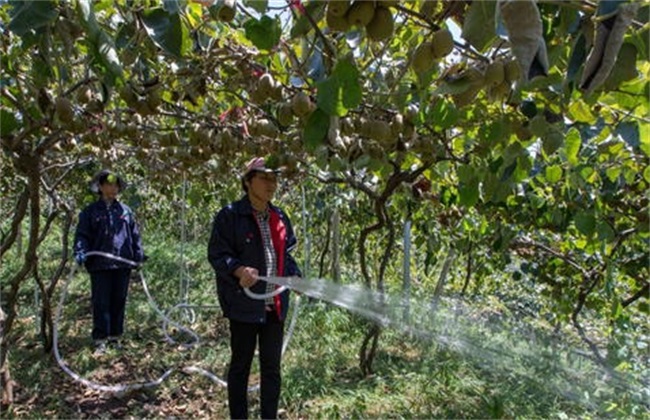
(108, 226)
(252, 238)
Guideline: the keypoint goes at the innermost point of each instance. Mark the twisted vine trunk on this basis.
(30, 163)
(370, 342)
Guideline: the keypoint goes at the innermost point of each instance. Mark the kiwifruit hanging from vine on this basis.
(253, 127)
(364, 127)
(338, 8)
(64, 110)
(361, 12)
(257, 96)
(285, 114)
(337, 23)
(153, 98)
(128, 94)
(227, 11)
(301, 104)
(84, 94)
(411, 113)
(277, 92)
(465, 98)
(443, 43)
(397, 125)
(423, 57)
(381, 131)
(511, 71)
(266, 85)
(494, 74)
(499, 92)
(267, 128)
(381, 26)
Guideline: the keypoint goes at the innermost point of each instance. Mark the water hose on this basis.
(123, 388)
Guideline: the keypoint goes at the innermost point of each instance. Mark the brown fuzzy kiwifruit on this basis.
(227, 11)
(494, 74)
(381, 26)
(337, 23)
(64, 110)
(361, 12)
(338, 8)
(301, 104)
(511, 71)
(443, 43)
(423, 57)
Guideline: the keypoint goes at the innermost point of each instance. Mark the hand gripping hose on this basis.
(123, 388)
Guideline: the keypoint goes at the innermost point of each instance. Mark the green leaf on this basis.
(172, 6)
(553, 174)
(87, 17)
(468, 193)
(102, 45)
(259, 6)
(572, 145)
(166, 31)
(613, 172)
(263, 33)
(315, 9)
(605, 232)
(348, 76)
(607, 8)
(479, 25)
(577, 59)
(28, 16)
(580, 112)
(341, 91)
(552, 140)
(625, 67)
(316, 130)
(108, 58)
(585, 222)
(492, 133)
(646, 174)
(330, 97)
(453, 87)
(468, 186)
(8, 122)
(444, 114)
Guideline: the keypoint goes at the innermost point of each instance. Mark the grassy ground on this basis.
(413, 377)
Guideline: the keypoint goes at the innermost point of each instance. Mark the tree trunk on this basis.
(31, 164)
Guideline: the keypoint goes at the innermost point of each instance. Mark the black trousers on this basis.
(243, 339)
(108, 293)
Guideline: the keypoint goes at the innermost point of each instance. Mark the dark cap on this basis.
(106, 177)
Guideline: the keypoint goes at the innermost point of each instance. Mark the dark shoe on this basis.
(100, 347)
(115, 343)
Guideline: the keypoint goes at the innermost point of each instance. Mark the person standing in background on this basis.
(109, 226)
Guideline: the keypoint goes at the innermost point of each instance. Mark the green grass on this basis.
(413, 377)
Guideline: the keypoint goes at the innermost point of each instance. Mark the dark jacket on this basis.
(111, 229)
(236, 241)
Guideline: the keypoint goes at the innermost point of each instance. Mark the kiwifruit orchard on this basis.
(480, 167)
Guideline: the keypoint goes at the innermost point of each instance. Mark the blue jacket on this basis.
(236, 240)
(111, 229)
